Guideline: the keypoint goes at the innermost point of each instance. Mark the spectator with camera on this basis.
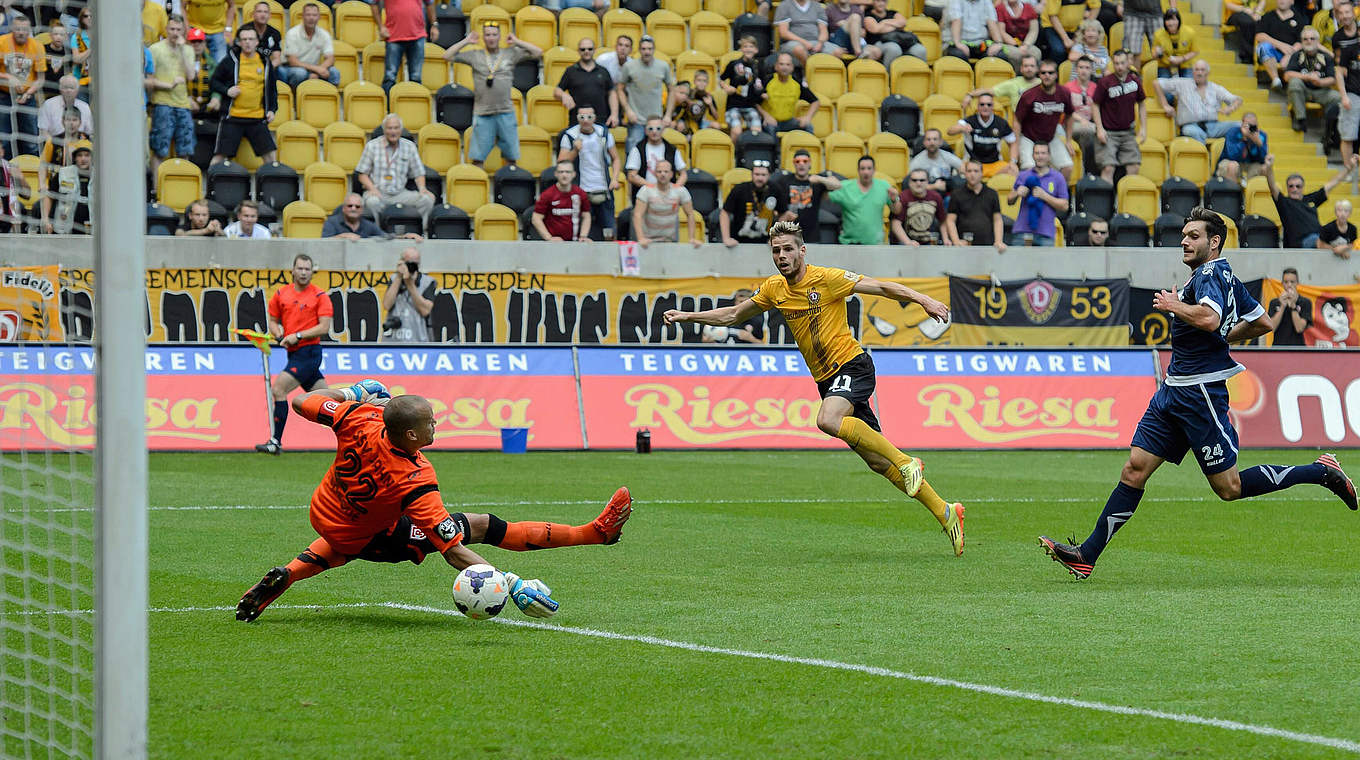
(1245, 147)
(408, 300)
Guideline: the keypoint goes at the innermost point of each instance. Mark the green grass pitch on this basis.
(1244, 612)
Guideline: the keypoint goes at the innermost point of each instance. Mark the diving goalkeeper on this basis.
(380, 502)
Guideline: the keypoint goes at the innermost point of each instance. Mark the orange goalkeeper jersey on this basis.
(372, 483)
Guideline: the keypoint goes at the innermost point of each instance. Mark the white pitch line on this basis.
(1346, 745)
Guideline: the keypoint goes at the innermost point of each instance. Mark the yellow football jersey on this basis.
(815, 311)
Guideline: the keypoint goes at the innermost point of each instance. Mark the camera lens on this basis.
(391, 323)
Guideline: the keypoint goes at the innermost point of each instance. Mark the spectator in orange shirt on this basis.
(380, 502)
(22, 65)
(299, 315)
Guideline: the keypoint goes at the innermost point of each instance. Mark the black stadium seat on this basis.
(452, 23)
(1128, 231)
(1223, 196)
(1179, 196)
(527, 230)
(160, 220)
(900, 115)
(268, 216)
(755, 26)
(756, 146)
(547, 178)
(1256, 231)
(703, 190)
(450, 223)
(513, 188)
(228, 183)
(277, 185)
(1077, 227)
(399, 219)
(453, 106)
(1095, 196)
(1166, 230)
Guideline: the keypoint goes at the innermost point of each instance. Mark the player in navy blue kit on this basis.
(1190, 410)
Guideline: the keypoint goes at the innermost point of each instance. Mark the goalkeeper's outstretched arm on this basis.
(723, 317)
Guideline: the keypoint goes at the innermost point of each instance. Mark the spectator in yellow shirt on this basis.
(1174, 46)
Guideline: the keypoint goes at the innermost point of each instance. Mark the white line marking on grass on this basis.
(996, 691)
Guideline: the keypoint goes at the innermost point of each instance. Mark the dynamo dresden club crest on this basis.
(1040, 301)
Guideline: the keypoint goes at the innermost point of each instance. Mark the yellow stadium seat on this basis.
(298, 144)
(574, 25)
(1231, 241)
(691, 61)
(1117, 36)
(325, 184)
(365, 104)
(178, 182)
(28, 166)
(1149, 75)
(278, 17)
(1256, 199)
(940, 112)
(467, 187)
(989, 72)
(1002, 184)
(285, 111)
(303, 219)
(712, 151)
(792, 142)
(489, 14)
(1139, 196)
(1189, 159)
(823, 122)
(545, 110)
(869, 79)
(682, 8)
(825, 75)
(412, 102)
(555, 62)
(891, 153)
(536, 151)
(493, 221)
(1154, 166)
(1059, 238)
(620, 21)
(733, 177)
(952, 76)
(699, 231)
(374, 58)
(245, 156)
(843, 151)
(1065, 71)
(710, 32)
(728, 9)
(343, 143)
(1161, 126)
(468, 5)
(679, 141)
(669, 31)
(493, 159)
(857, 114)
(537, 26)
(318, 102)
(928, 32)
(346, 60)
(354, 23)
(295, 17)
(512, 6)
(440, 146)
(434, 70)
(911, 77)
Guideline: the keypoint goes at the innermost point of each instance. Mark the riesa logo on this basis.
(1039, 300)
(701, 419)
(994, 419)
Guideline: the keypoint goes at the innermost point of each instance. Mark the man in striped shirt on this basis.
(387, 164)
(1199, 103)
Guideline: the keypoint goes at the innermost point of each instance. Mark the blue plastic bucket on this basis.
(514, 440)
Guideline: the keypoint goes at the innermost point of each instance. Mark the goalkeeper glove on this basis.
(531, 597)
(365, 391)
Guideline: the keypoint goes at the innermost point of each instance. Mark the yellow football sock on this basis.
(861, 437)
(933, 502)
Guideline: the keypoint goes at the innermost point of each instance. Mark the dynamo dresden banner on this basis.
(205, 305)
(213, 397)
(1039, 312)
(1076, 399)
(1299, 397)
(30, 304)
(1335, 309)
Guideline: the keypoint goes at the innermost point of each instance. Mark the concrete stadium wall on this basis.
(1146, 267)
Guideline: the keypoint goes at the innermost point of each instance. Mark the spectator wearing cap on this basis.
(58, 150)
(751, 207)
(245, 81)
(639, 90)
(245, 227)
(309, 51)
(49, 116)
(65, 207)
(200, 87)
(402, 27)
(493, 110)
(171, 120)
(387, 164)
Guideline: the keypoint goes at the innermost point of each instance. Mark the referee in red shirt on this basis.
(298, 316)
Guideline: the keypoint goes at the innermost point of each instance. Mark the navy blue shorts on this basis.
(854, 382)
(304, 364)
(1190, 417)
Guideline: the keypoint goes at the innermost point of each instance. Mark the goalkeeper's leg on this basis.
(316, 558)
(530, 535)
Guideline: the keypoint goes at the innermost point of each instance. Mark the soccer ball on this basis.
(480, 592)
(716, 333)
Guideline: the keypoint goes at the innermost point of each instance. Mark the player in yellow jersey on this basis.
(812, 300)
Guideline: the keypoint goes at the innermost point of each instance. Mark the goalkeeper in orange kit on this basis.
(380, 502)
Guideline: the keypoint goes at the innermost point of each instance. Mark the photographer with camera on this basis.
(408, 301)
(1244, 150)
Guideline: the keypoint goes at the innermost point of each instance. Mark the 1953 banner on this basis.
(193, 305)
(209, 397)
(1039, 312)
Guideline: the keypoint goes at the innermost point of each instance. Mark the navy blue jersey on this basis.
(1201, 356)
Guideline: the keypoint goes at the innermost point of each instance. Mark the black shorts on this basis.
(231, 130)
(405, 542)
(854, 382)
(305, 365)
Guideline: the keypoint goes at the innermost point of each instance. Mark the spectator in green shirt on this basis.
(862, 205)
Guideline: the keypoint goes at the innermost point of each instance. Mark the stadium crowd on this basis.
(962, 122)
